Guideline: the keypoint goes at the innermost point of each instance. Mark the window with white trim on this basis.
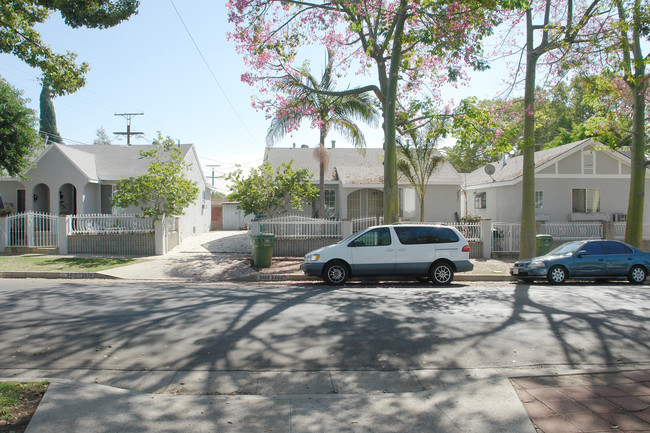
(480, 201)
(586, 200)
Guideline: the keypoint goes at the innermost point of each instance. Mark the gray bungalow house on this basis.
(354, 183)
(71, 180)
(580, 181)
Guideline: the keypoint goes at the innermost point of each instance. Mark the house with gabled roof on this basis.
(354, 184)
(79, 179)
(580, 181)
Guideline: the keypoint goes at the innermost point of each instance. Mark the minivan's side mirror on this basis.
(581, 253)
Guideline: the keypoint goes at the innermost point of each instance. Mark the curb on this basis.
(253, 278)
(57, 275)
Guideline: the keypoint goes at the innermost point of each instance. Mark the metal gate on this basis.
(33, 230)
(505, 237)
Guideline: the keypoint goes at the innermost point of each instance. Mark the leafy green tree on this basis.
(18, 137)
(164, 190)
(418, 159)
(19, 35)
(268, 192)
(325, 111)
(48, 129)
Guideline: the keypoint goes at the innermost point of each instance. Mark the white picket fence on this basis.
(94, 224)
(301, 227)
(83, 234)
(505, 236)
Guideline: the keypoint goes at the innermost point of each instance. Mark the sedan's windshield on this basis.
(566, 249)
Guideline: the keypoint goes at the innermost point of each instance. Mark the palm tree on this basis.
(310, 100)
(418, 160)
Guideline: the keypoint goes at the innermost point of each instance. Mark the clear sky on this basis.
(150, 64)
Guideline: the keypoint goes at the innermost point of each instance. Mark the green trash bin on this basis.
(543, 245)
(262, 249)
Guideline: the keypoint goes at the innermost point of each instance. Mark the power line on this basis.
(213, 74)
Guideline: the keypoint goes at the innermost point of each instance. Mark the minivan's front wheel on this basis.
(336, 273)
(441, 274)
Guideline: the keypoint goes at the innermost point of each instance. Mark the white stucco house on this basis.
(354, 183)
(79, 179)
(580, 181)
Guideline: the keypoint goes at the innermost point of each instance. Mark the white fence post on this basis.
(160, 237)
(29, 229)
(62, 234)
(255, 227)
(346, 228)
(4, 233)
(486, 234)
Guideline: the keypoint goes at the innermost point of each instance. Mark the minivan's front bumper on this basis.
(313, 269)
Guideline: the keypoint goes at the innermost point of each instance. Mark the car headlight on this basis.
(312, 257)
(537, 265)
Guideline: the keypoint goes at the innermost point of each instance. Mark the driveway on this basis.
(221, 241)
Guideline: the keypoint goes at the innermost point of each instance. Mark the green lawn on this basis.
(18, 402)
(62, 264)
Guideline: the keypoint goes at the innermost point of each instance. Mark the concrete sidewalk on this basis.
(488, 406)
(518, 400)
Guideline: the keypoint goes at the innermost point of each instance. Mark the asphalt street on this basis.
(132, 326)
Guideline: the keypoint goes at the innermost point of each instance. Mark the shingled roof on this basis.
(512, 168)
(109, 162)
(349, 166)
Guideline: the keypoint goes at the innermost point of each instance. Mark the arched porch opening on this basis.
(68, 199)
(365, 202)
(41, 198)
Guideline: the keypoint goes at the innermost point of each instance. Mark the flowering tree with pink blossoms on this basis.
(397, 45)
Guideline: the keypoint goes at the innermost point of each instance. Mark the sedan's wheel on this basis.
(441, 274)
(556, 275)
(637, 275)
(336, 273)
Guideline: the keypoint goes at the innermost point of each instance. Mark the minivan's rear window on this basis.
(425, 235)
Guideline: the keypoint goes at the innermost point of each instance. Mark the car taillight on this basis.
(466, 249)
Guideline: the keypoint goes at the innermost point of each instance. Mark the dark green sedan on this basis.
(586, 260)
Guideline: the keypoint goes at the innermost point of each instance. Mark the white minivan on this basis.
(423, 251)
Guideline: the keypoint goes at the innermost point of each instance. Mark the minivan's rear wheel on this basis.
(336, 273)
(637, 275)
(441, 273)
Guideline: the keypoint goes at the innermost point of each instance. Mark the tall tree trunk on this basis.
(321, 175)
(528, 226)
(391, 189)
(636, 80)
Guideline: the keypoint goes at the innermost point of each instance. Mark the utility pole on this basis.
(128, 133)
(213, 166)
